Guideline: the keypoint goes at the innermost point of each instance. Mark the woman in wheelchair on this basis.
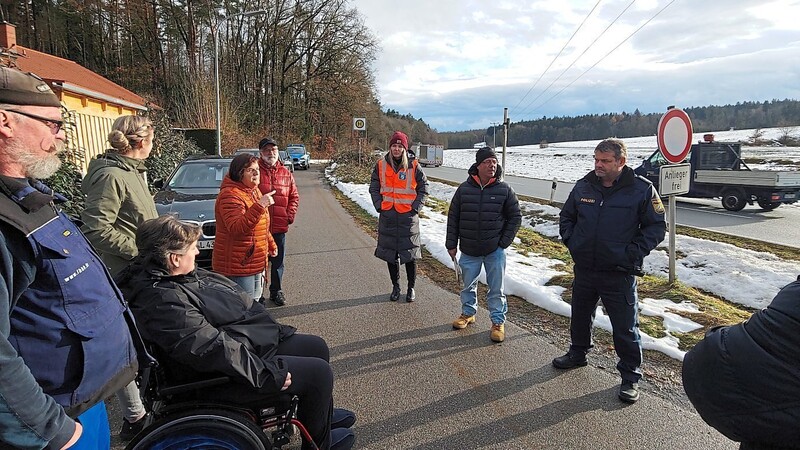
(203, 321)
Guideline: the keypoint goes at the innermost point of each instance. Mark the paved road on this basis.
(417, 383)
(778, 226)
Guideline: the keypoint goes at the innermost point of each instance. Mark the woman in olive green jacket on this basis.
(117, 197)
(117, 202)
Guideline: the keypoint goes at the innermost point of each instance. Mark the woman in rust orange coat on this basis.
(243, 240)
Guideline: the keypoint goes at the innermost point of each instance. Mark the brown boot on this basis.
(463, 321)
(498, 332)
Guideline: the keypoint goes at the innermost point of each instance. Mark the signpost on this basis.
(359, 126)
(674, 179)
(674, 142)
(675, 135)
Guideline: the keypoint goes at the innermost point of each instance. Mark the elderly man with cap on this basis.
(483, 220)
(398, 189)
(276, 177)
(64, 340)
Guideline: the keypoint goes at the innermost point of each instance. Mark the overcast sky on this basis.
(458, 63)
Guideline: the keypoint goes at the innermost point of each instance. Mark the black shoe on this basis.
(278, 298)
(629, 392)
(395, 295)
(342, 418)
(342, 439)
(129, 430)
(410, 295)
(262, 300)
(569, 361)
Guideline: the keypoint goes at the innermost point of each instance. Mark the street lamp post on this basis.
(216, 68)
(494, 134)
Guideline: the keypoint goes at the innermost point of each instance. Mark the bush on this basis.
(352, 169)
(67, 182)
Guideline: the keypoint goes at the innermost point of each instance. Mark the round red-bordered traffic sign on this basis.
(675, 135)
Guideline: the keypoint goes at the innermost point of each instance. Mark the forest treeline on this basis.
(744, 115)
(299, 70)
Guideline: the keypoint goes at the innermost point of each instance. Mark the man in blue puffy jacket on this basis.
(610, 222)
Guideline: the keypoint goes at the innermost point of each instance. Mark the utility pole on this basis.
(505, 135)
(494, 135)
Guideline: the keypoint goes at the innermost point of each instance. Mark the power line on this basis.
(605, 56)
(559, 54)
(579, 57)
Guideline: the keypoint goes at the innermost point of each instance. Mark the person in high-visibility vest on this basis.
(398, 189)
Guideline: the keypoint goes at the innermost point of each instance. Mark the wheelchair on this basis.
(181, 419)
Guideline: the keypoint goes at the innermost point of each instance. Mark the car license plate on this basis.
(205, 245)
(789, 196)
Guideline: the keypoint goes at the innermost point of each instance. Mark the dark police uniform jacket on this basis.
(612, 229)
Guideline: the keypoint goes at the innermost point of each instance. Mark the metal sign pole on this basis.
(671, 220)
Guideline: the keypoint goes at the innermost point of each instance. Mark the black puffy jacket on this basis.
(482, 218)
(206, 322)
(744, 380)
(612, 229)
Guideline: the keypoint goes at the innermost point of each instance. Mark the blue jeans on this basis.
(96, 431)
(253, 285)
(495, 265)
(276, 264)
(617, 290)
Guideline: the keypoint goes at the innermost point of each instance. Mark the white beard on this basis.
(39, 168)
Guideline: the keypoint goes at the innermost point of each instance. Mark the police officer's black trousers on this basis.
(617, 290)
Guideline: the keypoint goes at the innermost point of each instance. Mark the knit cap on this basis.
(399, 138)
(484, 153)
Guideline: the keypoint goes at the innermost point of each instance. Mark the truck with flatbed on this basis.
(428, 154)
(717, 171)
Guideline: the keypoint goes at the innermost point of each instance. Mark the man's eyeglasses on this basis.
(54, 125)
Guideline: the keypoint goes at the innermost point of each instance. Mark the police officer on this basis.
(610, 222)
(64, 342)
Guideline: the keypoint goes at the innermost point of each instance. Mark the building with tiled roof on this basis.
(92, 102)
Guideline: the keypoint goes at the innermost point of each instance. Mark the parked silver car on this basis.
(190, 194)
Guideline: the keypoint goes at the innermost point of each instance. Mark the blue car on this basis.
(300, 156)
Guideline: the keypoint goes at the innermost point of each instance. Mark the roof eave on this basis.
(100, 96)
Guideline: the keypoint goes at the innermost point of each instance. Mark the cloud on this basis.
(458, 63)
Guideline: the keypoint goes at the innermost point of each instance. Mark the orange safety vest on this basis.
(399, 190)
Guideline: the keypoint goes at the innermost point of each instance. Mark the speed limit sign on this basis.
(359, 124)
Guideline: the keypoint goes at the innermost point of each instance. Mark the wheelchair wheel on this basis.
(215, 429)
